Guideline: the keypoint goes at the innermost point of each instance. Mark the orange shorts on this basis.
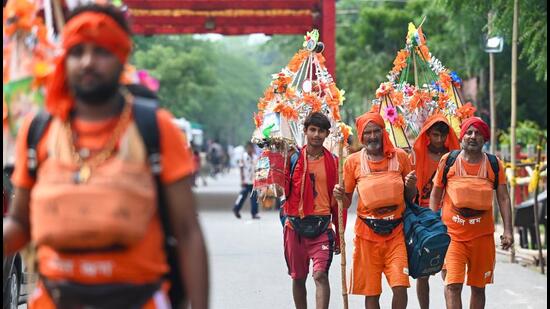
(477, 255)
(40, 299)
(371, 259)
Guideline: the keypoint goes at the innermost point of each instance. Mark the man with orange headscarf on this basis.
(435, 139)
(465, 181)
(94, 214)
(383, 177)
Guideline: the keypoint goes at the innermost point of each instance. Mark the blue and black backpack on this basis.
(426, 240)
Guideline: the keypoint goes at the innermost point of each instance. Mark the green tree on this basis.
(214, 83)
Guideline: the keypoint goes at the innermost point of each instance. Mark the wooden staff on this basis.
(341, 224)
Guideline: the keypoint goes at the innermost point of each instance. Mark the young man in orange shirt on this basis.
(435, 139)
(309, 210)
(92, 209)
(466, 190)
(383, 177)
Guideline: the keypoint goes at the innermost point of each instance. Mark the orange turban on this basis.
(87, 27)
(420, 147)
(361, 123)
(479, 124)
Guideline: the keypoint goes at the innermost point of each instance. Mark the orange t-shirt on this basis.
(429, 171)
(352, 175)
(460, 228)
(141, 263)
(318, 175)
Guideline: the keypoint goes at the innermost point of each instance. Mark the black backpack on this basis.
(452, 158)
(145, 116)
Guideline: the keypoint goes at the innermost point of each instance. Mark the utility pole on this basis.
(514, 115)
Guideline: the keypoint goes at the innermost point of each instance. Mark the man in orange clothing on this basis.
(466, 188)
(309, 209)
(435, 139)
(92, 208)
(383, 177)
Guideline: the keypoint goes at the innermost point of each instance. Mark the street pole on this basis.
(493, 148)
(493, 109)
(514, 116)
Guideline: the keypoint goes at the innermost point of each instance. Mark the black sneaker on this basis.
(255, 217)
(237, 214)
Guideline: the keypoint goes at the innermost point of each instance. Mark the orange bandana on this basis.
(361, 123)
(420, 147)
(88, 27)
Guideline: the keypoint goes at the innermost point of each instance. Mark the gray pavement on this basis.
(248, 269)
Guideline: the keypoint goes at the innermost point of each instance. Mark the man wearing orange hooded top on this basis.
(467, 194)
(383, 177)
(92, 208)
(435, 139)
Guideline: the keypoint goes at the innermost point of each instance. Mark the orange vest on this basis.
(116, 207)
(474, 192)
(381, 189)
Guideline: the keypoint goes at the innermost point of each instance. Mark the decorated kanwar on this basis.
(298, 127)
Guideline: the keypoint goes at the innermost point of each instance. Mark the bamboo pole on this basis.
(341, 224)
(514, 115)
(59, 18)
(415, 70)
(536, 204)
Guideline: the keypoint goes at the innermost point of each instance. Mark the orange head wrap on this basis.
(420, 148)
(361, 123)
(87, 27)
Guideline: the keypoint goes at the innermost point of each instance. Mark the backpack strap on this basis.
(293, 162)
(36, 130)
(451, 159)
(493, 160)
(145, 117)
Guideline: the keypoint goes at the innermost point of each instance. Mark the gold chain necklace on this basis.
(86, 165)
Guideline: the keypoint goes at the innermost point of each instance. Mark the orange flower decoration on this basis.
(466, 111)
(290, 93)
(400, 61)
(419, 99)
(397, 98)
(336, 113)
(385, 88)
(281, 83)
(346, 132)
(258, 119)
(286, 111)
(399, 121)
(262, 104)
(445, 80)
(442, 100)
(424, 52)
(269, 94)
(375, 108)
(313, 101)
(19, 15)
(296, 61)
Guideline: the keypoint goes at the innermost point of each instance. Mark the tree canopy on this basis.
(218, 83)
